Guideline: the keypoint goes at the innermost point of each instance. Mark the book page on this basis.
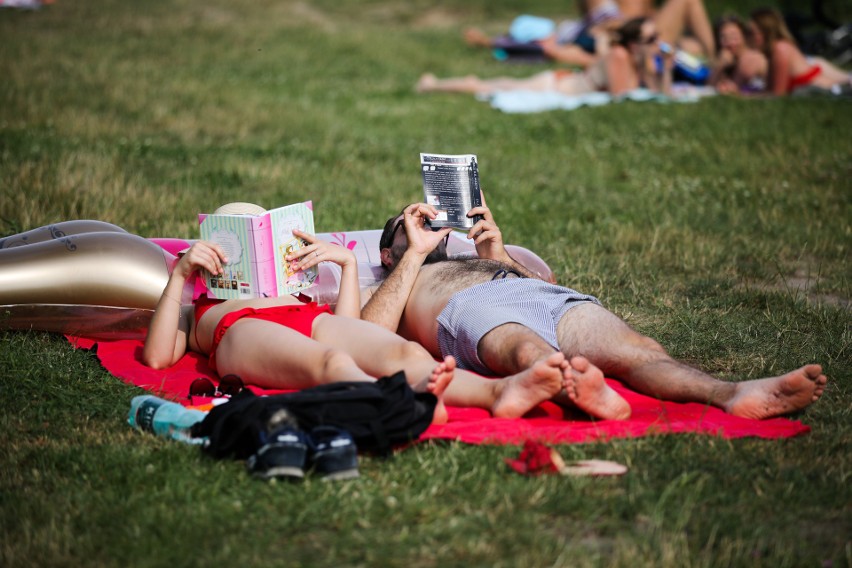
(451, 184)
(234, 234)
(284, 221)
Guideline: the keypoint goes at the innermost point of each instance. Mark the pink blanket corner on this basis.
(548, 422)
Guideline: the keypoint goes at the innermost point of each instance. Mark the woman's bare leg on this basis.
(543, 81)
(270, 355)
(477, 38)
(676, 15)
(380, 352)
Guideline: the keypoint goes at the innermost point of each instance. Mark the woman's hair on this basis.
(772, 26)
(629, 32)
(735, 20)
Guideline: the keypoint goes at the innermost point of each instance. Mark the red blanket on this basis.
(547, 423)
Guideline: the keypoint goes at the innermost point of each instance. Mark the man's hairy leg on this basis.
(512, 347)
(609, 343)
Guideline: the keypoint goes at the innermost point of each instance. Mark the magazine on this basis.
(255, 246)
(451, 184)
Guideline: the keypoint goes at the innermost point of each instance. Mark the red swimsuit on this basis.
(803, 79)
(298, 317)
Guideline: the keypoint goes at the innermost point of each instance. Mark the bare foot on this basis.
(476, 38)
(441, 376)
(586, 388)
(774, 396)
(518, 394)
(426, 83)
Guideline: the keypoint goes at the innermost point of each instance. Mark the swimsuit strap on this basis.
(502, 274)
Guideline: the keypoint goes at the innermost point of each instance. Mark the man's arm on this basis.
(488, 239)
(387, 304)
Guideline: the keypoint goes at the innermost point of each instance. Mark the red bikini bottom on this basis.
(297, 317)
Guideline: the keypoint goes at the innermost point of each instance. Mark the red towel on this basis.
(546, 423)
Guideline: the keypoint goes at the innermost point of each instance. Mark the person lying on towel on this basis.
(495, 317)
(284, 343)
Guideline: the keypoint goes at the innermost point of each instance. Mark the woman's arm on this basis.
(721, 72)
(620, 71)
(349, 294)
(779, 67)
(570, 54)
(166, 341)
(658, 78)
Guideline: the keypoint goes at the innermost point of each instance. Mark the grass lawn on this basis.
(720, 228)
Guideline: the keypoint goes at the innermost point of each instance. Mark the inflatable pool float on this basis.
(94, 279)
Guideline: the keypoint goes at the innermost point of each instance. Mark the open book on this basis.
(451, 184)
(255, 246)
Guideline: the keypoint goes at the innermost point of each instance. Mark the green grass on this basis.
(694, 222)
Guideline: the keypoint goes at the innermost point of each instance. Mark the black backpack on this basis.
(378, 415)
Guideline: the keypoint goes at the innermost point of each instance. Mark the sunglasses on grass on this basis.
(229, 385)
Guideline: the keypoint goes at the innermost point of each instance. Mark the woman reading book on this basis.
(285, 343)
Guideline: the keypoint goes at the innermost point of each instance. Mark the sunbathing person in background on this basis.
(739, 67)
(635, 60)
(283, 343)
(572, 42)
(673, 19)
(582, 42)
(789, 69)
(493, 316)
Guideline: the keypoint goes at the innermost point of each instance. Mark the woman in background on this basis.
(635, 60)
(789, 69)
(739, 67)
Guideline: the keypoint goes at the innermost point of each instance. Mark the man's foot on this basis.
(426, 83)
(774, 396)
(477, 38)
(441, 376)
(518, 394)
(586, 388)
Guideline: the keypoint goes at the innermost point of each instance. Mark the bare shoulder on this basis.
(752, 62)
(785, 49)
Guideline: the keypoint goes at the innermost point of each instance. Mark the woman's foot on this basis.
(477, 38)
(441, 377)
(426, 83)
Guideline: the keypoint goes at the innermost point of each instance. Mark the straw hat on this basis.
(240, 208)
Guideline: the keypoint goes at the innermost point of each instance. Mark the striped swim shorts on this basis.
(473, 312)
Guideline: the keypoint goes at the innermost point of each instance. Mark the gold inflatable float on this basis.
(95, 279)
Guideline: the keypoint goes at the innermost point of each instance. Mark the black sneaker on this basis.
(283, 456)
(333, 453)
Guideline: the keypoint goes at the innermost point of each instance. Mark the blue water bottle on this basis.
(153, 414)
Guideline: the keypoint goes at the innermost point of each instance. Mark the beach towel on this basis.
(541, 101)
(548, 422)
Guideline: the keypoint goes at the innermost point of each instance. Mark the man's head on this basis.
(394, 242)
